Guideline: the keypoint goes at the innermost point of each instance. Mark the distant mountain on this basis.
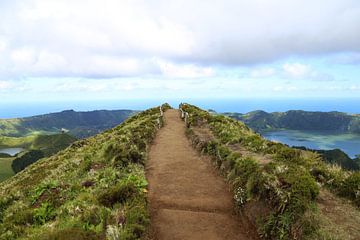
(79, 124)
(300, 120)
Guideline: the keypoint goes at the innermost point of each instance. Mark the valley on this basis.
(23, 141)
(319, 140)
(323, 132)
(156, 177)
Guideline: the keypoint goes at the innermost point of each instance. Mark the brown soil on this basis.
(188, 199)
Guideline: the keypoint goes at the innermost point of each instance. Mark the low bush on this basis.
(94, 189)
(44, 213)
(285, 184)
(351, 188)
(24, 160)
(117, 194)
(72, 234)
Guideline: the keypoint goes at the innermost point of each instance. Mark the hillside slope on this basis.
(286, 193)
(33, 147)
(95, 189)
(79, 124)
(300, 120)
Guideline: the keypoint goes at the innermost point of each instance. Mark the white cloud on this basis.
(297, 70)
(85, 37)
(172, 70)
(262, 72)
(80, 86)
(6, 85)
(23, 56)
(3, 45)
(283, 88)
(304, 71)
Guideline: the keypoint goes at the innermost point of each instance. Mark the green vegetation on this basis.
(288, 185)
(300, 120)
(10, 142)
(94, 189)
(25, 159)
(6, 170)
(79, 124)
(5, 155)
(337, 157)
(50, 144)
(36, 147)
(43, 133)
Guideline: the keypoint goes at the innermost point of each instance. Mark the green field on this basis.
(5, 168)
(24, 142)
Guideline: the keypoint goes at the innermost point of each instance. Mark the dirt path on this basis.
(188, 199)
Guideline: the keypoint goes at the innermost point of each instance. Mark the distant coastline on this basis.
(239, 105)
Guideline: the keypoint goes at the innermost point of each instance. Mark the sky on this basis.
(72, 50)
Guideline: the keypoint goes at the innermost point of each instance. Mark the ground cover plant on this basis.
(94, 189)
(288, 185)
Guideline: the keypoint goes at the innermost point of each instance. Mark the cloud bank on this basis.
(172, 39)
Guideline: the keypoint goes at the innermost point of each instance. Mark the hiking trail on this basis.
(188, 198)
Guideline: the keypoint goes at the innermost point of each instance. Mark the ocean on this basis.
(241, 105)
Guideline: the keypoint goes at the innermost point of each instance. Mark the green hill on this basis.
(50, 144)
(94, 189)
(300, 120)
(79, 124)
(286, 193)
(42, 146)
(35, 147)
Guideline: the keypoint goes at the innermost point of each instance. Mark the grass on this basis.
(94, 189)
(5, 168)
(289, 183)
(24, 142)
(46, 144)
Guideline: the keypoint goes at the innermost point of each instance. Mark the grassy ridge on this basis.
(79, 124)
(288, 186)
(300, 120)
(95, 189)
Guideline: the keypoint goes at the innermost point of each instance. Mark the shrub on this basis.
(120, 193)
(351, 187)
(4, 204)
(24, 217)
(243, 170)
(24, 160)
(304, 190)
(137, 219)
(44, 213)
(72, 234)
(285, 184)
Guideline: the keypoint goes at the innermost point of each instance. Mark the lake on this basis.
(11, 151)
(326, 140)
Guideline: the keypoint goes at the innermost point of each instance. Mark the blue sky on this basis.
(107, 50)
